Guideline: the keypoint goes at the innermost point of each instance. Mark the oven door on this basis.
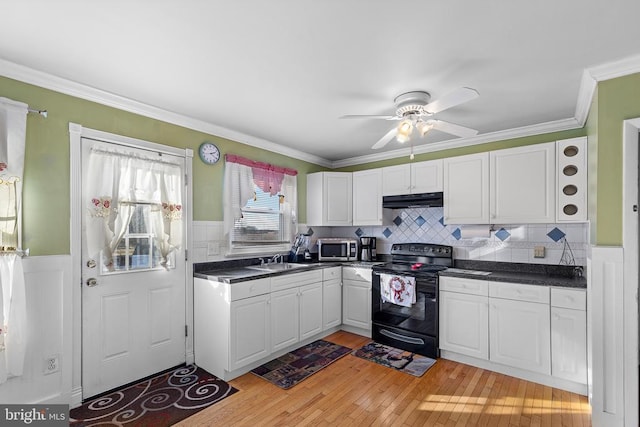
(412, 328)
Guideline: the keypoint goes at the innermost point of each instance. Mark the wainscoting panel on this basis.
(49, 328)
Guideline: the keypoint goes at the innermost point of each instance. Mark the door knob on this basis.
(91, 282)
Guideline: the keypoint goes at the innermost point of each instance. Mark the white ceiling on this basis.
(283, 72)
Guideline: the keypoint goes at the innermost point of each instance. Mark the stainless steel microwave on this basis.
(336, 249)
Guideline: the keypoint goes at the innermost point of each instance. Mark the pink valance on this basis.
(267, 177)
(261, 165)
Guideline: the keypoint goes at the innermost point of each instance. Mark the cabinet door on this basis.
(426, 177)
(519, 334)
(284, 318)
(569, 344)
(396, 180)
(337, 208)
(464, 324)
(523, 184)
(356, 304)
(249, 331)
(332, 303)
(367, 197)
(466, 189)
(310, 310)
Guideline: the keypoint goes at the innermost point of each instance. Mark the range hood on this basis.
(424, 200)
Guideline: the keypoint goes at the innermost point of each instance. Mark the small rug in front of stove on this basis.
(160, 401)
(400, 360)
(293, 367)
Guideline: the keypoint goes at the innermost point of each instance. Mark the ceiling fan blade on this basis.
(452, 128)
(457, 97)
(373, 116)
(385, 139)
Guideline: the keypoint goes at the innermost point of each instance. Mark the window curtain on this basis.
(13, 311)
(117, 181)
(240, 176)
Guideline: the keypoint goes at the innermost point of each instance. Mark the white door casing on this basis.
(631, 265)
(133, 324)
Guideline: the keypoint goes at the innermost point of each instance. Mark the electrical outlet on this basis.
(51, 364)
(538, 252)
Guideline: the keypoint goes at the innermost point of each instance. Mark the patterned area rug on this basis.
(401, 360)
(160, 401)
(291, 368)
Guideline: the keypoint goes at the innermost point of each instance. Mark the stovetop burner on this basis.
(418, 259)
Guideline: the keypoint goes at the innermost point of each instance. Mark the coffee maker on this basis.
(367, 249)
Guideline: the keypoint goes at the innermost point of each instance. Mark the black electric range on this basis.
(413, 328)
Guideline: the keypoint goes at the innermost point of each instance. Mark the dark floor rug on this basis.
(401, 360)
(291, 368)
(160, 401)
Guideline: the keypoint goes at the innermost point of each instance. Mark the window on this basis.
(262, 221)
(260, 203)
(138, 249)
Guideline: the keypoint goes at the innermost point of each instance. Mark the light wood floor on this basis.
(353, 391)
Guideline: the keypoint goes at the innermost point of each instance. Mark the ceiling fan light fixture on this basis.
(424, 127)
(404, 131)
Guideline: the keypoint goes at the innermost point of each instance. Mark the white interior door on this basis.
(133, 310)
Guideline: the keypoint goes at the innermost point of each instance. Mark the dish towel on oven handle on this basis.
(398, 290)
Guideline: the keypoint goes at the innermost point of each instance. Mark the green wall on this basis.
(46, 192)
(617, 100)
(46, 199)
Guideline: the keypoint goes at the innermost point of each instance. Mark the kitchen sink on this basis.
(277, 267)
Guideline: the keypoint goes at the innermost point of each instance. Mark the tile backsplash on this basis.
(506, 243)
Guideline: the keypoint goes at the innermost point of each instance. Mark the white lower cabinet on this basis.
(569, 334)
(248, 331)
(237, 326)
(520, 334)
(310, 310)
(231, 324)
(538, 330)
(356, 297)
(331, 297)
(284, 318)
(464, 323)
(296, 311)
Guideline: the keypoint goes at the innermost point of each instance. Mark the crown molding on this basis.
(591, 77)
(78, 90)
(588, 84)
(537, 129)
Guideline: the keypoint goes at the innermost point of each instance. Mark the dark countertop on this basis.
(529, 274)
(247, 269)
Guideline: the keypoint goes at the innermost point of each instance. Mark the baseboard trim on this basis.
(516, 372)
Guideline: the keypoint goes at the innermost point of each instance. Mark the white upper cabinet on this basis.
(511, 186)
(367, 197)
(466, 189)
(329, 198)
(522, 184)
(421, 177)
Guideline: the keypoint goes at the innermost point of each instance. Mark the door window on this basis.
(138, 250)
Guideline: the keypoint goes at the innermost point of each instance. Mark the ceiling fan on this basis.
(414, 110)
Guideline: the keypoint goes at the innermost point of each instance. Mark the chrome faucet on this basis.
(277, 258)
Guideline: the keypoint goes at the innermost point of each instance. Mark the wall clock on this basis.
(209, 153)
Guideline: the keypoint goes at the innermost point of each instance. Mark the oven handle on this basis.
(410, 340)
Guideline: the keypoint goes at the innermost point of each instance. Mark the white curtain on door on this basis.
(13, 312)
(117, 181)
